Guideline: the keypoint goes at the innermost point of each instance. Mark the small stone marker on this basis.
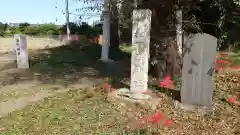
(140, 53)
(198, 70)
(21, 51)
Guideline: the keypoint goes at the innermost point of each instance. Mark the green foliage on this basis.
(32, 31)
(98, 28)
(87, 30)
(26, 28)
(18, 31)
(2, 34)
(73, 28)
(83, 29)
(23, 26)
(50, 29)
(3, 28)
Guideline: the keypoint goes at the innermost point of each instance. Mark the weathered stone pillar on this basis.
(21, 51)
(179, 31)
(140, 53)
(106, 36)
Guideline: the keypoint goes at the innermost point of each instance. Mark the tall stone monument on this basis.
(198, 70)
(21, 51)
(106, 36)
(140, 53)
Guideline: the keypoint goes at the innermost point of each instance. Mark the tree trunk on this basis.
(114, 50)
(114, 38)
(164, 55)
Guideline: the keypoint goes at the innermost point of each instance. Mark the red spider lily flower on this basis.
(106, 86)
(232, 99)
(219, 61)
(168, 123)
(226, 61)
(235, 67)
(168, 77)
(155, 119)
(167, 82)
(218, 68)
(223, 54)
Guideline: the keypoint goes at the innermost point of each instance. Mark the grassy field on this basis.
(8, 44)
(90, 111)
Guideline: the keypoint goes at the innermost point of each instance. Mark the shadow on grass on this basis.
(81, 60)
(69, 63)
(172, 93)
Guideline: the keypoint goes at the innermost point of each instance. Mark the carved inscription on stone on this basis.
(198, 70)
(21, 51)
(140, 52)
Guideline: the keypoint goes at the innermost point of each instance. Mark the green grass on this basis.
(234, 57)
(15, 92)
(76, 111)
(126, 48)
(91, 112)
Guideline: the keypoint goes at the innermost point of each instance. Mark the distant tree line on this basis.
(83, 29)
(49, 29)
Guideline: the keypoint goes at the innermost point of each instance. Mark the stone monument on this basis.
(198, 70)
(106, 34)
(21, 51)
(140, 52)
(140, 57)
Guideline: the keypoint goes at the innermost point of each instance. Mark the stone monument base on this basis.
(124, 92)
(148, 100)
(106, 60)
(200, 109)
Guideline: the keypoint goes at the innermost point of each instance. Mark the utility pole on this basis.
(67, 20)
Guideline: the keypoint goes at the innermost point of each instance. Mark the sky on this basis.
(40, 11)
